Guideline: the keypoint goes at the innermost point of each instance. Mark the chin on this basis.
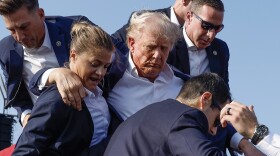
(91, 88)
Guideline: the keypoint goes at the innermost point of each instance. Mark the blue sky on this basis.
(251, 32)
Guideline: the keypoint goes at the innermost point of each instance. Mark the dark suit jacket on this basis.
(163, 128)
(217, 54)
(121, 33)
(55, 128)
(11, 59)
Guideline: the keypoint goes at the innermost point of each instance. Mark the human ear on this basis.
(73, 55)
(131, 44)
(205, 99)
(41, 13)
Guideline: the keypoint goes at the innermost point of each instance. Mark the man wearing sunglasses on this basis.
(198, 51)
(176, 127)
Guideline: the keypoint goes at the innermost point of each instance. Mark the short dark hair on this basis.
(11, 6)
(216, 4)
(207, 82)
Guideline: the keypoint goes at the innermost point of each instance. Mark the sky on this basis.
(251, 32)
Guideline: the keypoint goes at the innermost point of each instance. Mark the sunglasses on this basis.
(217, 121)
(209, 26)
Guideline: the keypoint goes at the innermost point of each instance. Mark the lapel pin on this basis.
(215, 52)
(58, 43)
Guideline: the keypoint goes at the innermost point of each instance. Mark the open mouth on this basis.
(95, 80)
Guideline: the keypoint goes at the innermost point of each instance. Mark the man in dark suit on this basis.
(176, 13)
(175, 127)
(34, 43)
(198, 51)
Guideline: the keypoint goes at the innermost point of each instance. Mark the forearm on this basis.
(249, 149)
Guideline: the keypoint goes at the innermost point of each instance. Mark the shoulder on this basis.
(50, 98)
(219, 43)
(7, 42)
(66, 21)
(166, 11)
(220, 46)
(6, 45)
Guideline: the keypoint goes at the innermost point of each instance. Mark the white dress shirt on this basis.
(173, 17)
(100, 115)
(198, 60)
(36, 59)
(132, 93)
(270, 144)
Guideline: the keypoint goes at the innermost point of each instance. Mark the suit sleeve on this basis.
(34, 82)
(193, 142)
(225, 50)
(121, 33)
(189, 136)
(46, 122)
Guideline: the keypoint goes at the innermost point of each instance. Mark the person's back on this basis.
(182, 126)
(172, 127)
(152, 131)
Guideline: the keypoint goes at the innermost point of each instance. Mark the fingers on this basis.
(240, 116)
(70, 88)
(74, 87)
(232, 112)
(76, 99)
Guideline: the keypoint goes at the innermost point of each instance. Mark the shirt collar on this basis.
(173, 17)
(97, 92)
(189, 43)
(47, 40)
(131, 66)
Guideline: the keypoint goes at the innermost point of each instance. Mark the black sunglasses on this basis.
(217, 121)
(209, 26)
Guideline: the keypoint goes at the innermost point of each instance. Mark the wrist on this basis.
(260, 132)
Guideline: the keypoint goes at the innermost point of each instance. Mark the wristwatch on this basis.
(260, 132)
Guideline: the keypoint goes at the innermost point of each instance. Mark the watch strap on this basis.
(260, 132)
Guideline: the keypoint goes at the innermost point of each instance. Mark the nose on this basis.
(101, 71)
(211, 33)
(157, 53)
(19, 36)
(213, 130)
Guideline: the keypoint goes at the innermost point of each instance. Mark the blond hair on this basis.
(87, 37)
(156, 22)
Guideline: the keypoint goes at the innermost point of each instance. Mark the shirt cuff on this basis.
(270, 144)
(44, 78)
(234, 142)
(28, 111)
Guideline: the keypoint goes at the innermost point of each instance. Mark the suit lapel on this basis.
(167, 11)
(15, 68)
(60, 47)
(183, 55)
(213, 58)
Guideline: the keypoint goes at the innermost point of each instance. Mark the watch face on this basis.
(259, 134)
(262, 130)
